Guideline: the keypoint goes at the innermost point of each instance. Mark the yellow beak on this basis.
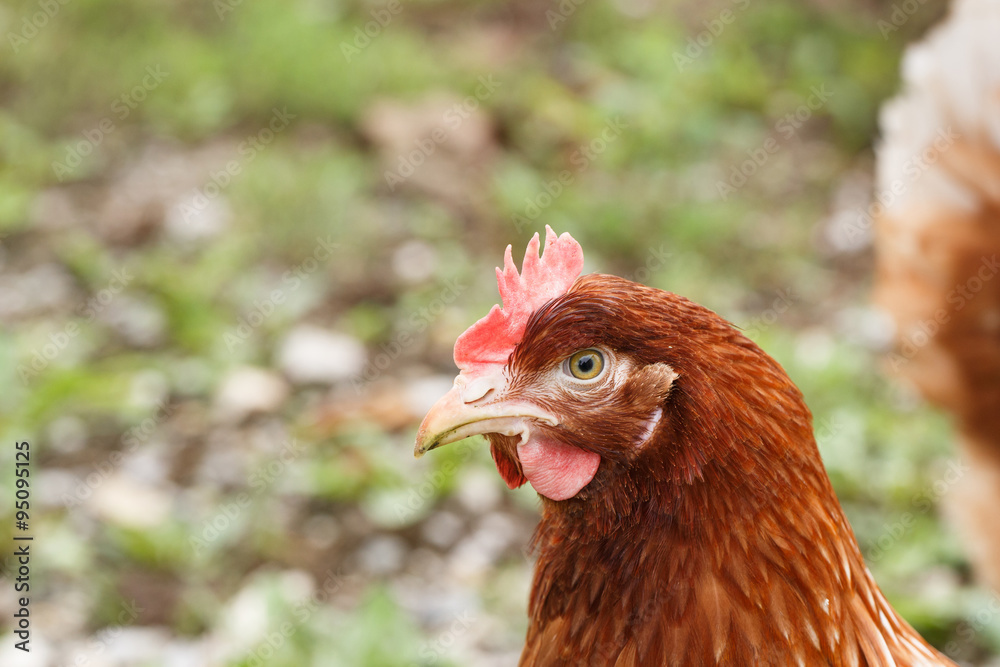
(452, 419)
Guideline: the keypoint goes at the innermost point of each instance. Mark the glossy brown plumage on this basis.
(716, 540)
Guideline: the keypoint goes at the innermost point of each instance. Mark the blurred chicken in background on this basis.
(938, 250)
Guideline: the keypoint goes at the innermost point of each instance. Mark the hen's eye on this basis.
(586, 364)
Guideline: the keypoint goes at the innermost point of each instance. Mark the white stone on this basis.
(40, 653)
(245, 619)
(442, 529)
(67, 434)
(423, 393)
(194, 217)
(414, 261)
(122, 500)
(478, 489)
(247, 390)
(41, 288)
(141, 322)
(383, 554)
(310, 354)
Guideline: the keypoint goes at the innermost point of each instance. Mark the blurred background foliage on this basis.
(221, 371)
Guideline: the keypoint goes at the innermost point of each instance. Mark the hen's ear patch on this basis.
(654, 380)
(492, 339)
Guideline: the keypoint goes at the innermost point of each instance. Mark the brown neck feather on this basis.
(722, 542)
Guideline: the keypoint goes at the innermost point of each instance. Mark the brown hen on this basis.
(686, 515)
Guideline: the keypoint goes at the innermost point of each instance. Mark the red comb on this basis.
(492, 339)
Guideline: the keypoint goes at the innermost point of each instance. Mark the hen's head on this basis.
(603, 392)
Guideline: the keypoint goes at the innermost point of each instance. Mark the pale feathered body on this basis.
(938, 249)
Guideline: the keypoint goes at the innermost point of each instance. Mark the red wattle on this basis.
(507, 469)
(556, 470)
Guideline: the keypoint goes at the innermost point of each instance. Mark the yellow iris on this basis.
(586, 364)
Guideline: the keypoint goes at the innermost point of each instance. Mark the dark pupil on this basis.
(586, 364)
